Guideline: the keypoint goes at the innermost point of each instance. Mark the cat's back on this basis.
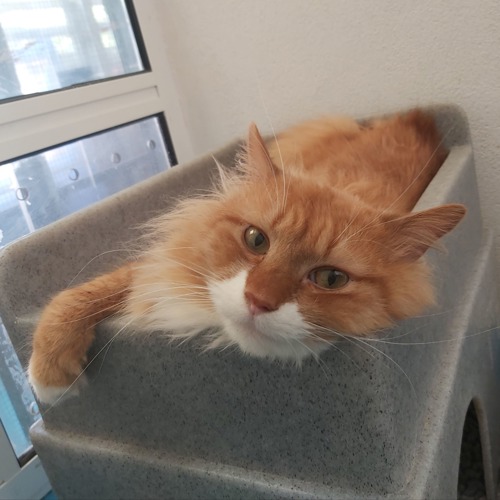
(376, 160)
(312, 142)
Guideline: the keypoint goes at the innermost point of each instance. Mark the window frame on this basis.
(16, 482)
(37, 122)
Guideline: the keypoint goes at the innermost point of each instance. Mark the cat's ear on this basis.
(413, 234)
(258, 157)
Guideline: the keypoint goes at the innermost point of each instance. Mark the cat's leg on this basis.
(65, 332)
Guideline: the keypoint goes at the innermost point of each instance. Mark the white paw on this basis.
(53, 394)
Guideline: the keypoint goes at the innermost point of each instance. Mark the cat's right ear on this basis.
(258, 158)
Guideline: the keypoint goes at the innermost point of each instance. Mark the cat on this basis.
(310, 237)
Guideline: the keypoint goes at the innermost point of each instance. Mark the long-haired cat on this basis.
(311, 236)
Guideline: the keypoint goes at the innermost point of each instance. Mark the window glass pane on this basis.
(51, 44)
(44, 187)
(18, 409)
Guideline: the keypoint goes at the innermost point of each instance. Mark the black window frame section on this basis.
(161, 120)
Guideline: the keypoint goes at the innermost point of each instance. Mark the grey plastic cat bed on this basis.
(157, 420)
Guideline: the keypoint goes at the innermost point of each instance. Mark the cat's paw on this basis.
(51, 394)
(51, 383)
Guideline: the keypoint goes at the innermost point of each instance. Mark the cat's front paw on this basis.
(52, 382)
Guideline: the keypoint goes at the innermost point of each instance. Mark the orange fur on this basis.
(66, 328)
(376, 162)
(330, 192)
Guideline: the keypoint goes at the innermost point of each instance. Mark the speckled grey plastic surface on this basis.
(379, 419)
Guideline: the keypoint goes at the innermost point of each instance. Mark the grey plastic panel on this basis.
(381, 419)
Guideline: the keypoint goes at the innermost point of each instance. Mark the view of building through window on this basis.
(51, 44)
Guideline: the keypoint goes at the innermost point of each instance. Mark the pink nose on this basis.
(257, 305)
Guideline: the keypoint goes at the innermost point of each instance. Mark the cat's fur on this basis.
(330, 193)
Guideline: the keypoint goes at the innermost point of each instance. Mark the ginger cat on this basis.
(310, 237)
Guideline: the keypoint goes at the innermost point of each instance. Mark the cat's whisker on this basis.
(324, 367)
(290, 342)
(325, 329)
(335, 345)
(429, 342)
(103, 359)
(347, 338)
(100, 299)
(173, 249)
(439, 313)
(409, 332)
(164, 257)
(114, 306)
(395, 363)
(272, 198)
(367, 240)
(266, 111)
(182, 264)
(196, 297)
(273, 171)
(360, 159)
(436, 245)
(127, 250)
(287, 189)
(156, 298)
(436, 149)
(158, 288)
(357, 339)
(386, 209)
(223, 176)
(86, 367)
(81, 318)
(228, 345)
(95, 258)
(350, 223)
(281, 162)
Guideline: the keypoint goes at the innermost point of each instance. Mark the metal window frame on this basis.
(16, 482)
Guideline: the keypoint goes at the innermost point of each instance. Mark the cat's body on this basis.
(310, 240)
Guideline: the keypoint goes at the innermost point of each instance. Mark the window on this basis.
(49, 45)
(46, 186)
(86, 95)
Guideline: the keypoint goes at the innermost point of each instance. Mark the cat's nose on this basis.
(258, 305)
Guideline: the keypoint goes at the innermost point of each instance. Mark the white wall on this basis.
(233, 59)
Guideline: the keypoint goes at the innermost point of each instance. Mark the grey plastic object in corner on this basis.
(371, 420)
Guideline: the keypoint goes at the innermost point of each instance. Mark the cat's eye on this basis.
(329, 278)
(256, 240)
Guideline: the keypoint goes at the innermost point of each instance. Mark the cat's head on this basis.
(286, 265)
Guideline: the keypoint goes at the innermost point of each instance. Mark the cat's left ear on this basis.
(412, 235)
(258, 157)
